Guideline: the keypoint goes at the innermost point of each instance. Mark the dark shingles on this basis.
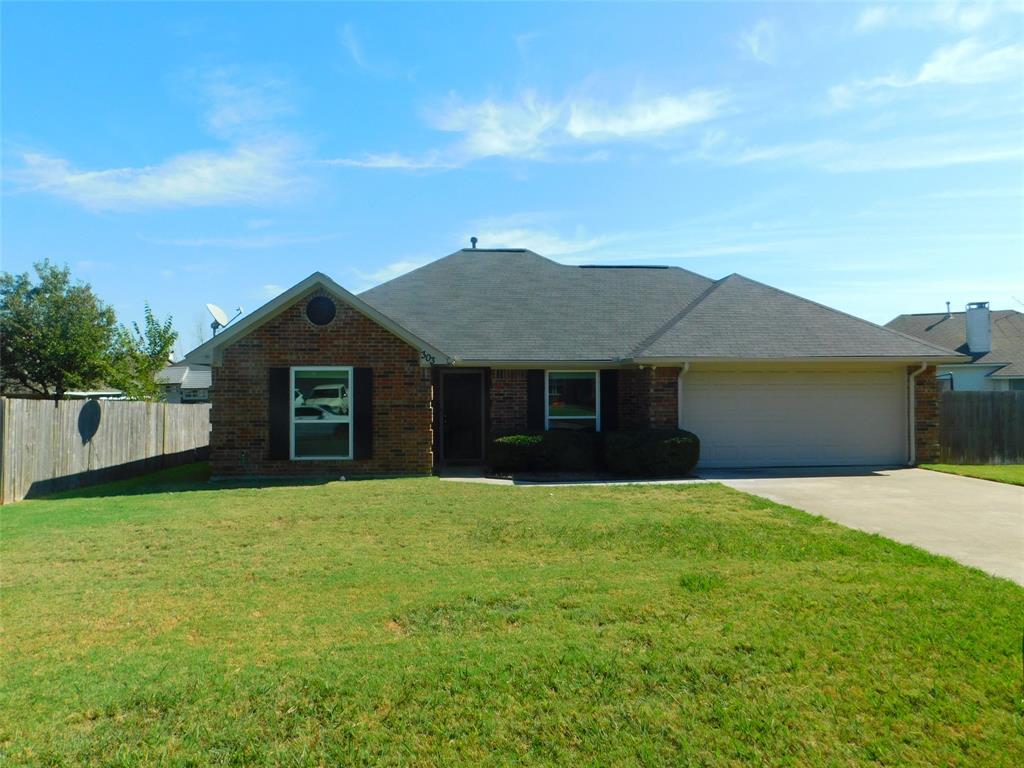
(517, 305)
(744, 318)
(951, 331)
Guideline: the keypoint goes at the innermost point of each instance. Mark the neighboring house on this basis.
(992, 340)
(427, 367)
(185, 383)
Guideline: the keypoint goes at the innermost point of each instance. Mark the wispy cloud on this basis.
(761, 42)
(643, 117)
(545, 242)
(968, 62)
(491, 128)
(258, 164)
(389, 271)
(905, 153)
(351, 43)
(530, 126)
(392, 160)
(249, 174)
(242, 241)
(241, 106)
(963, 16)
(270, 290)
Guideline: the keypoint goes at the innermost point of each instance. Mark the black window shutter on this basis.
(535, 397)
(609, 400)
(279, 403)
(362, 417)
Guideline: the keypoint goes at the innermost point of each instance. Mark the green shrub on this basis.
(554, 451)
(651, 453)
(516, 453)
(571, 451)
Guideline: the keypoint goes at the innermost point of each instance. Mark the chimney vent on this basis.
(948, 313)
(979, 328)
(472, 242)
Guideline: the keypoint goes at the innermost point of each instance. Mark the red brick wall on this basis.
(402, 395)
(926, 415)
(508, 401)
(648, 398)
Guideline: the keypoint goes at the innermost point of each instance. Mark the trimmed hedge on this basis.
(557, 451)
(515, 453)
(639, 453)
(651, 453)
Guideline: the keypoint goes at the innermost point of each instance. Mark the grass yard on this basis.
(420, 622)
(1001, 473)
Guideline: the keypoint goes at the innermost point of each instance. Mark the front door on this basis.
(462, 416)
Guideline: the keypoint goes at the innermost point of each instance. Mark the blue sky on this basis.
(870, 157)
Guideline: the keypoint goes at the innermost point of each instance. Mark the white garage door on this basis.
(776, 419)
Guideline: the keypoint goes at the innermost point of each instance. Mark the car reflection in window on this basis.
(312, 413)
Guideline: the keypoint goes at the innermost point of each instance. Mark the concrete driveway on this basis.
(977, 522)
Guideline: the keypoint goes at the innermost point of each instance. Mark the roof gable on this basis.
(209, 351)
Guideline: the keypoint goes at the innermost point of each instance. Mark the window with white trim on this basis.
(573, 400)
(321, 413)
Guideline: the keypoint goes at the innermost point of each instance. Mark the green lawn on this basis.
(420, 622)
(1002, 473)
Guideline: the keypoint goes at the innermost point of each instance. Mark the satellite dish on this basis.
(220, 317)
(218, 314)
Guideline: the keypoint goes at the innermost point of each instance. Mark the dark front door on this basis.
(462, 416)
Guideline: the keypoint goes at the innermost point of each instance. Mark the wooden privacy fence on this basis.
(981, 428)
(47, 447)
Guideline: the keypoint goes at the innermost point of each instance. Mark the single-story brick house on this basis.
(422, 371)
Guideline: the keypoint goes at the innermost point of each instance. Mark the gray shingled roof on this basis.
(514, 305)
(187, 376)
(951, 331)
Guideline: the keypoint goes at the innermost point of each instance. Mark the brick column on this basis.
(926, 415)
(649, 398)
(508, 401)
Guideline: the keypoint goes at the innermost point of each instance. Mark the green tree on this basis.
(139, 353)
(55, 335)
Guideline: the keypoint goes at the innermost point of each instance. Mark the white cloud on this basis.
(908, 153)
(545, 242)
(235, 106)
(244, 175)
(390, 271)
(492, 128)
(968, 62)
(651, 117)
(352, 45)
(393, 160)
(962, 16)
(530, 127)
(873, 17)
(761, 42)
(270, 290)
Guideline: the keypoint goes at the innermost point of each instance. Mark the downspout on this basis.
(679, 394)
(912, 402)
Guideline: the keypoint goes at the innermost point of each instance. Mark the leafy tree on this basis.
(138, 353)
(55, 335)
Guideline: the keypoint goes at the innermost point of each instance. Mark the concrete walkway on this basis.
(976, 522)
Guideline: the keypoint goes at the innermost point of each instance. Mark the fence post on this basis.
(3, 450)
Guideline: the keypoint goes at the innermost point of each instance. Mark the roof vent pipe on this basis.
(979, 328)
(472, 242)
(948, 313)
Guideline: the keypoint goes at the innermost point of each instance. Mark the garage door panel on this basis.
(797, 419)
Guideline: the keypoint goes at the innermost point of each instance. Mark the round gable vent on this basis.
(320, 310)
